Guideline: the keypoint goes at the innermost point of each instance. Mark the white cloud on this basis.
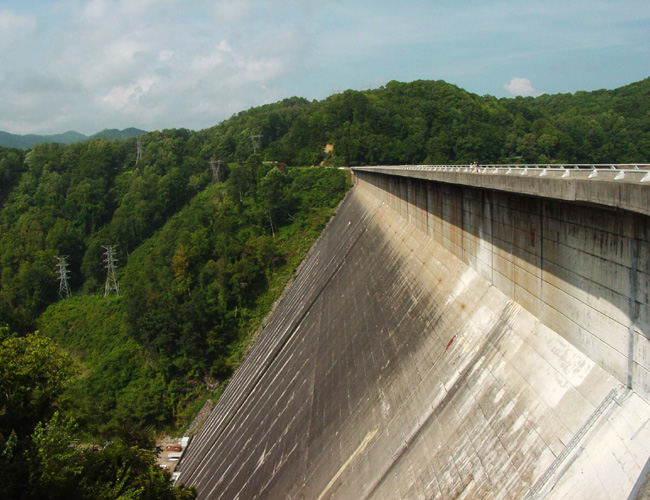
(520, 86)
(126, 98)
(139, 7)
(229, 11)
(165, 56)
(95, 9)
(14, 27)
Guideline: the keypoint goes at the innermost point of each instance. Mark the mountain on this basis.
(8, 140)
(113, 134)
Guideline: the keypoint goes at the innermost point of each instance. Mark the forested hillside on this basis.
(200, 261)
(435, 122)
(202, 253)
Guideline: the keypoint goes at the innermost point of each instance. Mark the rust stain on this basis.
(532, 235)
(450, 342)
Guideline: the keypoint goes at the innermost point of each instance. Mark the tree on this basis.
(41, 455)
(33, 372)
(53, 460)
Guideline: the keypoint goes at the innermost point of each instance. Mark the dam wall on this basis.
(395, 367)
(579, 263)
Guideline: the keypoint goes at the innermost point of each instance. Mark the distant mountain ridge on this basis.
(8, 140)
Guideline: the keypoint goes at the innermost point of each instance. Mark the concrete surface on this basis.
(584, 271)
(393, 369)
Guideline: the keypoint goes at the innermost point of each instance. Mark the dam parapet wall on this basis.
(572, 250)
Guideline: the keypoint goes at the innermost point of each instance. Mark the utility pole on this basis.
(112, 284)
(257, 142)
(138, 150)
(216, 169)
(62, 271)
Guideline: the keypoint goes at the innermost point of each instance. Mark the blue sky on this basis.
(87, 65)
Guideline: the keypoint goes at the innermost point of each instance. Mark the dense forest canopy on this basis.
(209, 226)
(435, 122)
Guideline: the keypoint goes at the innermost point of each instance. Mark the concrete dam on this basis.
(454, 333)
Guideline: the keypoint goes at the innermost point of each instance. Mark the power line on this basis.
(112, 285)
(62, 271)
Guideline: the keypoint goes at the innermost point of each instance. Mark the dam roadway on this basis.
(454, 333)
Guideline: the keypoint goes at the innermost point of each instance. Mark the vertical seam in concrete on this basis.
(542, 222)
(426, 205)
(633, 312)
(488, 206)
(461, 225)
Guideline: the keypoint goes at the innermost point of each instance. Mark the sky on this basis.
(87, 65)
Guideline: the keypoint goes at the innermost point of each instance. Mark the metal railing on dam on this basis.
(631, 172)
(623, 186)
(408, 359)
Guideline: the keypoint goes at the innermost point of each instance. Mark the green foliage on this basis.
(194, 288)
(62, 468)
(116, 387)
(434, 122)
(72, 200)
(192, 294)
(53, 461)
(114, 134)
(11, 167)
(41, 449)
(32, 373)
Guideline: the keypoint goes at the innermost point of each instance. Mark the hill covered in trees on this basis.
(432, 122)
(201, 258)
(27, 141)
(203, 253)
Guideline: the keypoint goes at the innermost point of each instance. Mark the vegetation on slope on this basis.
(191, 296)
(44, 455)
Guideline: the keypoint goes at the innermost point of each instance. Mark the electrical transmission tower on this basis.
(62, 271)
(138, 150)
(216, 170)
(112, 284)
(256, 139)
